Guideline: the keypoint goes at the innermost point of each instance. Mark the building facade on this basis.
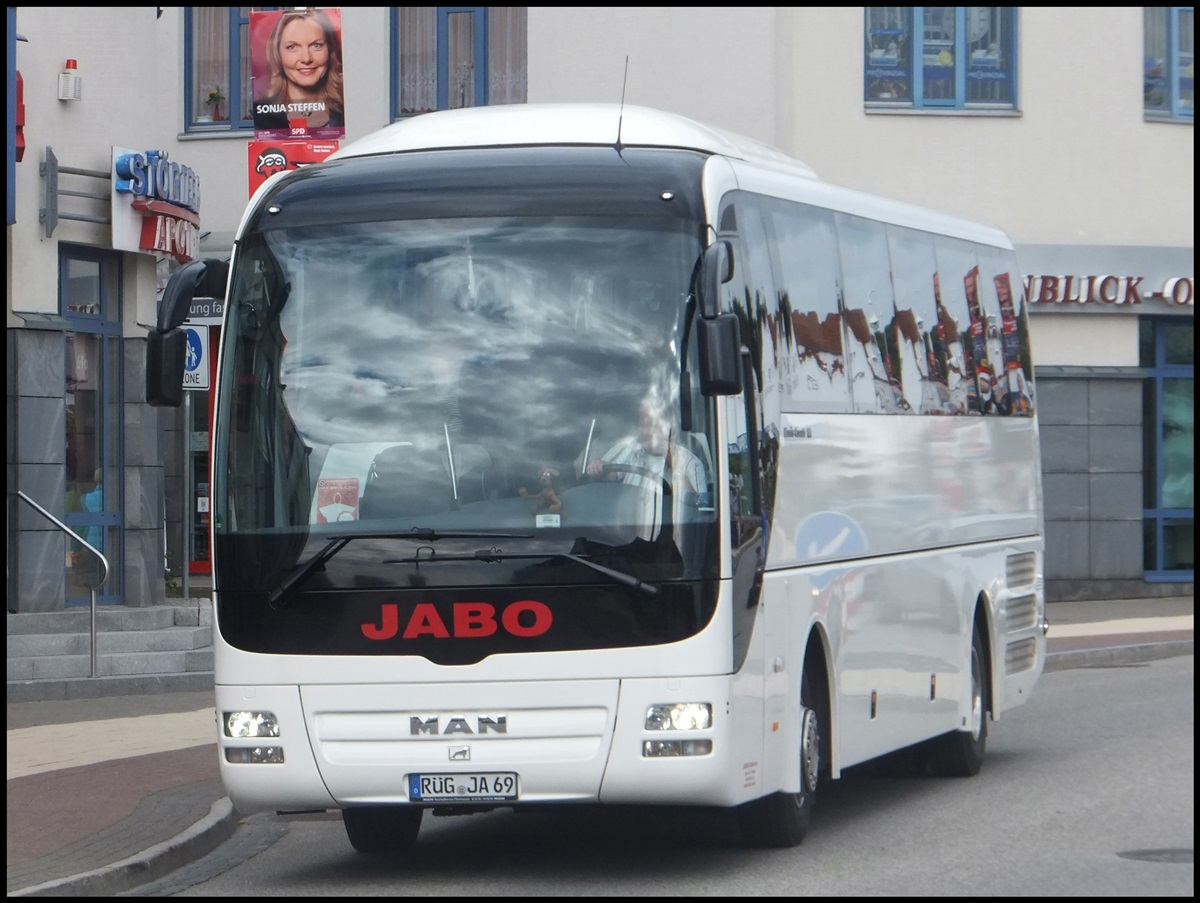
(1086, 161)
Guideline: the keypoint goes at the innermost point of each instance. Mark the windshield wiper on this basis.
(620, 576)
(331, 548)
(494, 555)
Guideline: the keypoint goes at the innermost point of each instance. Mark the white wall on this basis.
(1066, 340)
(1078, 165)
(123, 99)
(715, 64)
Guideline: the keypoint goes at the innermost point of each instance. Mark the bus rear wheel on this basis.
(783, 819)
(382, 829)
(959, 754)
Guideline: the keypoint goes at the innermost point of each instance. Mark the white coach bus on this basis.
(589, 454)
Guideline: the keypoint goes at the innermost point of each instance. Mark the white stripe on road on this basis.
(1119, 626)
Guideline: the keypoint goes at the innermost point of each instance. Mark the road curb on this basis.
(150, 864)
(1117, 655)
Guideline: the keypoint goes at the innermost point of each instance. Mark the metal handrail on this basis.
(91, 548)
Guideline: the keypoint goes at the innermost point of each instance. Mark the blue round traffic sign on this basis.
(195, 350)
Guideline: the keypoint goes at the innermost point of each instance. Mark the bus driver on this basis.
(647, 453)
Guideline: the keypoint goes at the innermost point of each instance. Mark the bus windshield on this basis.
(515, 377)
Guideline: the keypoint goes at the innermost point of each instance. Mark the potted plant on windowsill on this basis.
(213, 99)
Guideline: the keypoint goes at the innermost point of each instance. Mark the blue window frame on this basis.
(1170, 46)
(447, 57)
(940, 57)
(217, 91)
(1169, 462)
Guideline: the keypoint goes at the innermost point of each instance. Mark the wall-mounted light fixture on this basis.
(70, 82)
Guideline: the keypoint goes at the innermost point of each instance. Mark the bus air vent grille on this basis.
(1022, 612)
(1021, 569)
(1020, 656)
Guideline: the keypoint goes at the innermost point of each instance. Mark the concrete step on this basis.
(28, 645)
(59, 667)
(111, 618)
(98, 687)
(158, 648)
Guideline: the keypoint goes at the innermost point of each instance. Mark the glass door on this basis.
(89, 299)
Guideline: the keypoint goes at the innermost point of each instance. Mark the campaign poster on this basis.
(296, 72)
(337, 500)
(266, 158)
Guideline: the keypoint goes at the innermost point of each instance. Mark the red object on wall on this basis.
(269, 157)
(20, 114)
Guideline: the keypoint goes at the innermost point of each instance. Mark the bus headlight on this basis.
(250, 724)
(254, 755)
(679, 716)
(659, 749)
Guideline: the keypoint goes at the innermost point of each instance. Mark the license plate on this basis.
(469, 787)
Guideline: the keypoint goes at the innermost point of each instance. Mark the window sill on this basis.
(1167, 118)
(943, 111)
(208, 133)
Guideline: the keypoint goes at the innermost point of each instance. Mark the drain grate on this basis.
(1182, 857)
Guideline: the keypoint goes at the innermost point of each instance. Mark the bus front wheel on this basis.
(382, 829)
(783, 819)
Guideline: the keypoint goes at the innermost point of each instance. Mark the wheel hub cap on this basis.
(810, 750)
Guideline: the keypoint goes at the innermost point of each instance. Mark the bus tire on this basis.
(959, 754)
(783, 819)
(910, 762)
(382, 829)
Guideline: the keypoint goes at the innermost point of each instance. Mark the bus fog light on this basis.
(254, 755)
(679, 716)
(658, 749)
(250, 724)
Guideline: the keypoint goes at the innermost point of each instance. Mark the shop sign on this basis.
(155, 205)
(208, 311)
(1107, 290)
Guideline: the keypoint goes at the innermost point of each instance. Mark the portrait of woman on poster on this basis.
(304, 65)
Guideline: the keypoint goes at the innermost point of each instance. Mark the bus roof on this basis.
(598, 124)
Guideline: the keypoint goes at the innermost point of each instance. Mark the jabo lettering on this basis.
(524, 618)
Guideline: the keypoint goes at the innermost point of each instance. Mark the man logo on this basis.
(460, 753)
(458, 724)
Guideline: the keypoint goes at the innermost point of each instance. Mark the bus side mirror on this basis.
(720, 347)
(166, 344)
(716, 269)
(165, 359)
(718, 335)
(197, 279)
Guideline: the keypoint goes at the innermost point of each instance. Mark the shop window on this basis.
(940, 57)
(447, 57)
(218, 93)
(1170, 45)
(1167, 348)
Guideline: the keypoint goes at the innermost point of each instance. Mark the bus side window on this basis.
(925, 384)
(804, 257)
(870, 314)
(955, 259)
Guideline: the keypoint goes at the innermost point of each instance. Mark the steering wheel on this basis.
(645, 473)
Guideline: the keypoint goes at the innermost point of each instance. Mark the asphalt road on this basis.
(1088, 790)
